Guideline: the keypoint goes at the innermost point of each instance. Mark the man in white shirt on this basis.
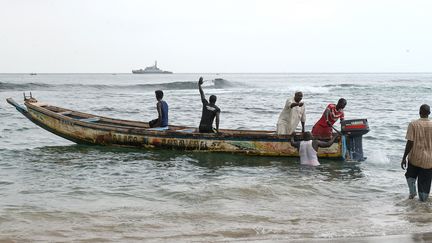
(291, 115)
(308, 148)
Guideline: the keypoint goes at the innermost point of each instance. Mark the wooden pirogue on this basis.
(83, 128)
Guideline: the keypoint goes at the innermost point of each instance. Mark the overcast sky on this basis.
(216, 36)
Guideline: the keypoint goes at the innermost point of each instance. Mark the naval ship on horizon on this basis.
(151, 70)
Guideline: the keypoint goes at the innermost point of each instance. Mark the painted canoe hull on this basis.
(97, 130)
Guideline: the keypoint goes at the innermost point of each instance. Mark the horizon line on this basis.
(216, 73)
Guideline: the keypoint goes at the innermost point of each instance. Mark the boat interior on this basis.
(128, 124)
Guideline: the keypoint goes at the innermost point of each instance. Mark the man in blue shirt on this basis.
(162, 108)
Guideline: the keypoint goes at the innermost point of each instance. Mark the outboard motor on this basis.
(354, 129)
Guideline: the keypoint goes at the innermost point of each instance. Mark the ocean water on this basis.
(54, 190)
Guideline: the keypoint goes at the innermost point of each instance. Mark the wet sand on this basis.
(410, 238)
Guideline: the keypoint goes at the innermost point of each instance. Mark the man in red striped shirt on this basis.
(323, 128)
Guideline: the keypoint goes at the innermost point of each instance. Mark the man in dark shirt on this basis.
(209, 112)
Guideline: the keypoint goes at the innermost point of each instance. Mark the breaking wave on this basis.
(343, 85)
(25, 86)
(216, 83)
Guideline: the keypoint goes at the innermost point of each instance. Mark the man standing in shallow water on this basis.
(291, 115)
(308, 148)
(418, 149)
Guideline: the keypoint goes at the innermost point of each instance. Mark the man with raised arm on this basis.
(209, 112)
(308, 148)
(418, 150)
(291, 115)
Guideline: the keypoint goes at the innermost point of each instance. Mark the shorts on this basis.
(319, 131)
(205, 129)
(423, 176)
